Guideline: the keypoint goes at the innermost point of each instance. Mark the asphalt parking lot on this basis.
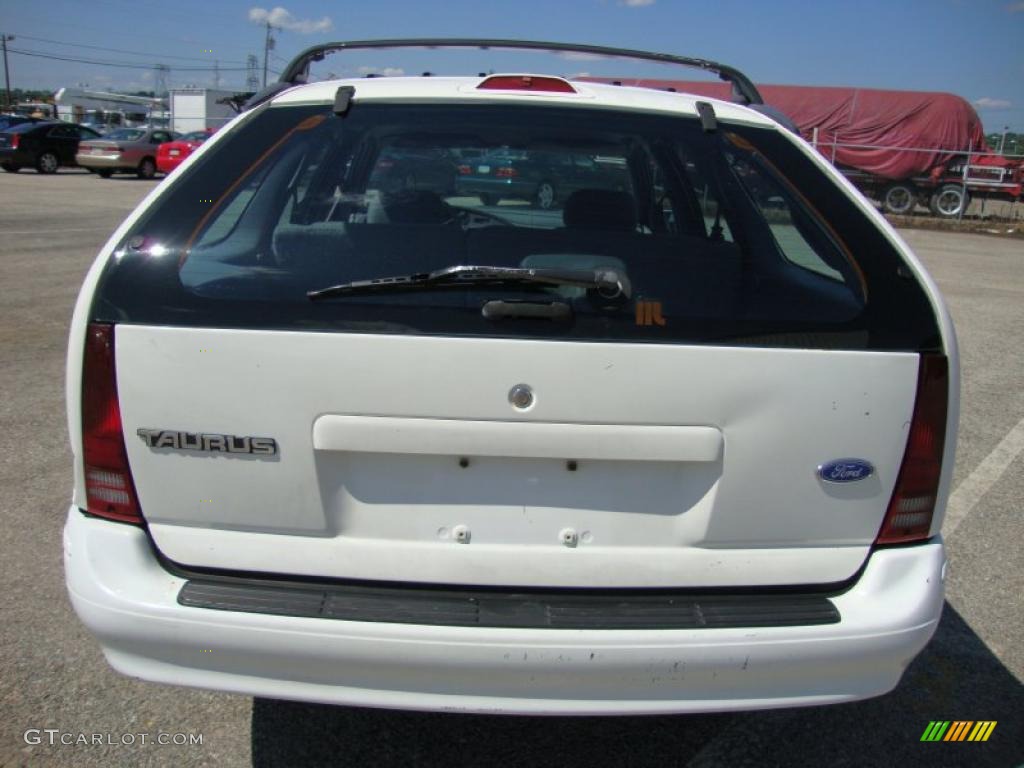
(53, 676)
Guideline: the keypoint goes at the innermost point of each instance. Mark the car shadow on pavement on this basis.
(955, 678)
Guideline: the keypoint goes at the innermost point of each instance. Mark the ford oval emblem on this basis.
(845, 470)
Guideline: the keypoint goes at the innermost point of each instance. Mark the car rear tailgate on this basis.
(401, 458)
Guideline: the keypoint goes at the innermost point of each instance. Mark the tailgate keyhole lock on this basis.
(569, 537)
(461, 534)
(521, 396)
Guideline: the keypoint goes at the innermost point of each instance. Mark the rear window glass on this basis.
(715, 231)
(125, 134)
(26, 127)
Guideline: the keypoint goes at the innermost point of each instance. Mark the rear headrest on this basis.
(600, 209)
(416, 206)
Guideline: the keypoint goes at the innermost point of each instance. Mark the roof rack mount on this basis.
(297, 70)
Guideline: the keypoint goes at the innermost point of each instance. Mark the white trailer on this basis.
(78, 105)
(196, 109)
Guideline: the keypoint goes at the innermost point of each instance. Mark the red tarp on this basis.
(941, 123)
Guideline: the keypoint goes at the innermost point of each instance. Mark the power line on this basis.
(119, 50)
(123, 64)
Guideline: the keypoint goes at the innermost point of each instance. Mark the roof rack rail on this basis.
(744, 90)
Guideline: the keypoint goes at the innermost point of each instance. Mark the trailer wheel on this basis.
(899, 199)
(949, 200)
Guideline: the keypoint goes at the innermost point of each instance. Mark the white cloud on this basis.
(987, 103)
(382, 71)
(636, 3)
(1015, 8)
(282, 19)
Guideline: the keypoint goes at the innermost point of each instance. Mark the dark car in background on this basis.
(45, 146)
(401, 168)
(543, 178)
(9, 121)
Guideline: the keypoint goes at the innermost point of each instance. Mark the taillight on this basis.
(465, 170)
(506, 173)
(526, 83)
(909, 517)
(14, 141)
(109, 489)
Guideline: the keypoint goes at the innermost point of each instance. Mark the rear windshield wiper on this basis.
(609, 283)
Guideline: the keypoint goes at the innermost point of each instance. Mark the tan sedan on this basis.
(126, 149)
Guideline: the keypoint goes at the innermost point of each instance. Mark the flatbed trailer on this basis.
(902, 148)
(946, 194)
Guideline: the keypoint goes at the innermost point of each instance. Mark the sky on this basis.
(968, 47)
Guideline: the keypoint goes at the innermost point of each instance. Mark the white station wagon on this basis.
(681, 441)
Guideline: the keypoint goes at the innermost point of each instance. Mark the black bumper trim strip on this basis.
(472, 608)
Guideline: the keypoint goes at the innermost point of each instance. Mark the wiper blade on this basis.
(609, 283)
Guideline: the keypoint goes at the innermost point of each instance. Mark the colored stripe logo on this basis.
(959, 730)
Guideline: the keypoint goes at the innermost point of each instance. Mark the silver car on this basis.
(126, 149)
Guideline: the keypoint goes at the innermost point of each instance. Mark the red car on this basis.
(170, 154)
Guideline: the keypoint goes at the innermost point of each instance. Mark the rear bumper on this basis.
(11, 156)
(168, 164)
(129, 601)
(101, 162)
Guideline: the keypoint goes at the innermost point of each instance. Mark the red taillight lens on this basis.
(465, 170)
(909, 517)
(526, 83)
(109, 489)
(15, 139)
(506, 173)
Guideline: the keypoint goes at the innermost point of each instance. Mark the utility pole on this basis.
(1002, 139)
(7, 72)
(216, 74)
(268, 46)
